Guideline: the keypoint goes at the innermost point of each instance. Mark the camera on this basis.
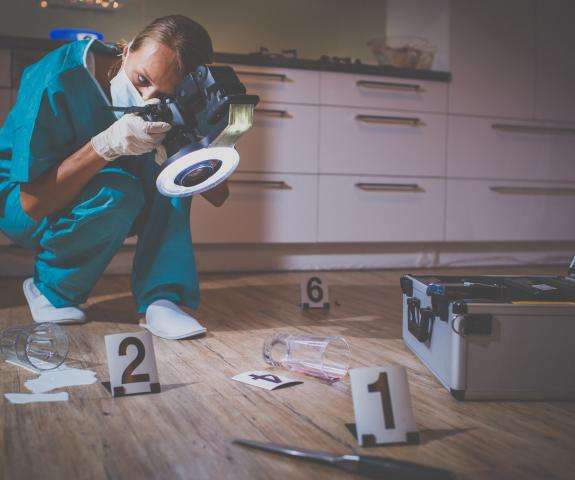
(210, 109)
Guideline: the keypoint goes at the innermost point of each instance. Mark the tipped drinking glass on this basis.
(41, 346)
(323, 357)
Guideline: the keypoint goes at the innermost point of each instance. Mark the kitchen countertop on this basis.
(263, 61)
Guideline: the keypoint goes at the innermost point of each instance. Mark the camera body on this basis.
(199, 110)
(209, 112)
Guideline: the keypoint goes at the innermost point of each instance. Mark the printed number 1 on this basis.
(128, 375)
(382, 386)
(314, 290)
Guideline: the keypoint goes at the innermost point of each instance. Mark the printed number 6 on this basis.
(128, 376)
(314, 291)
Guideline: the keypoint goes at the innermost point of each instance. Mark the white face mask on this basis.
(123, 92)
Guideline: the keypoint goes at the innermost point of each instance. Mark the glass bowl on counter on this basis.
(403, 52)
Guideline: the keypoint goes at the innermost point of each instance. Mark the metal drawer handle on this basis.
(411, 87)
(276, 77)
(410, 121)
(389, 187)
(533, 190)
(507, 127)
(268, 112)
(281, 185)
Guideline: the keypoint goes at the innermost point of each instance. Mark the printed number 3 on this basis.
(382, 386)
(314, 290)
(128, 375)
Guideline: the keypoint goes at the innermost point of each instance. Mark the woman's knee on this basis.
(114, 193)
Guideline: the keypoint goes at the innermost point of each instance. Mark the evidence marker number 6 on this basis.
(314, 293)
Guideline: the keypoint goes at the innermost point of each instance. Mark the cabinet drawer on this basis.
(484, 210)
(280, 84)
(284, 138)
(495, 148)
(383, 92)
(261, 209)
(381, 142)
(5, 67)
(380, 209)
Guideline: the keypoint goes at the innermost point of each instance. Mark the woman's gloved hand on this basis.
(130, 135)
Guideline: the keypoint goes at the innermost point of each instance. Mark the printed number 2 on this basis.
(128, 376)
(314, 290)
(382, 386)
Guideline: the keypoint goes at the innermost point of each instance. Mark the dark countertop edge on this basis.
(244, 59)
(305, 64)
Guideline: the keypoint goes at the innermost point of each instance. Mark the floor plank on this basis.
(186, 430)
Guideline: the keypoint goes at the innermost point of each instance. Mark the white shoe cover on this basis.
(43, 311)
(166, 320)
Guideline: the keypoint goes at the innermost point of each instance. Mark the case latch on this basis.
(419, 320)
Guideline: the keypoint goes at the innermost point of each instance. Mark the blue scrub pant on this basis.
(75, 246)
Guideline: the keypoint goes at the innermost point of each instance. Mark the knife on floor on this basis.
(369, 465)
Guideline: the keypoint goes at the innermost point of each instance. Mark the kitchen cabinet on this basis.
(555, 73)
(283, 138)
(492, 61)
(339, 157)
(497, 210)
(280, 84)
(381, 142)
(482, 147)
(382, 92)
(261, 208)
(380, 209)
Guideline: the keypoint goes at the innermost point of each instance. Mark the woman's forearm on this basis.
(56, 188)
(217, 195)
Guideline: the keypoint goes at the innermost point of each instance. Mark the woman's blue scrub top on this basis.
(58, 110)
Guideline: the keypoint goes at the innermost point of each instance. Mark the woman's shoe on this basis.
(166, 320)
(43, 311)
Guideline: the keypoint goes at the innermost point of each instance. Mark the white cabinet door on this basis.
(280, 84)
(384, 142)
(489, 210)
(555, 75)
(380, 209)
(382, 92)
(271, 208)
(284, 138)
(511, 149)
(492, 61)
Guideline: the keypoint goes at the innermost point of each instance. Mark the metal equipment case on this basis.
(494, 337)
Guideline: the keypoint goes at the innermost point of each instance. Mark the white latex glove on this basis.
(130, 135)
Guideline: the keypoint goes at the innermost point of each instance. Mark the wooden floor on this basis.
(186, 431)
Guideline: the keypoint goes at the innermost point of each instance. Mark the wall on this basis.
(425, 18)
(314, 27)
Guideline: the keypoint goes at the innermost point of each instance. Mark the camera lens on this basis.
(198, 173)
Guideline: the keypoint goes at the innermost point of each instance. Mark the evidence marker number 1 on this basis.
(314, 293)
